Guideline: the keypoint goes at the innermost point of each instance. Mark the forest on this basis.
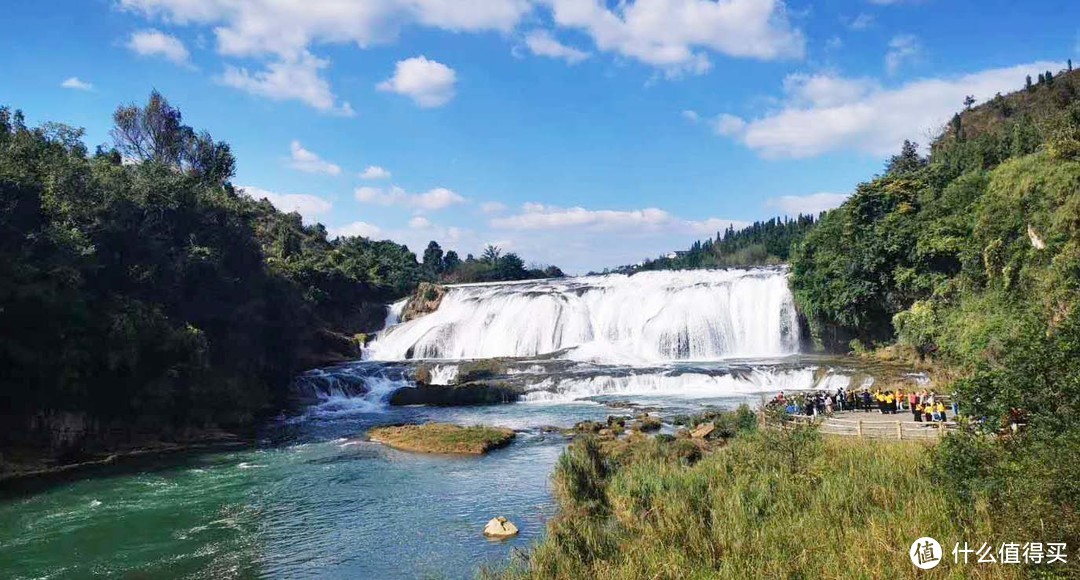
(762, 243)
(143, 297)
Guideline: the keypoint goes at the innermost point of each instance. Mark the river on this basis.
(314, 499)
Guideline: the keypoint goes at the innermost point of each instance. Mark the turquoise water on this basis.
(315, 500)
(312, 501)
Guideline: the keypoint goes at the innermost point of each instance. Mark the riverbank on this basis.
(768, 504)
(31, 465)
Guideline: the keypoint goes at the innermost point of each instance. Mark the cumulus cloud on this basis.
(77, 84)
(903, 48)
(690, 115)
(259, 27)
(542, 43)
(431, 200)
(419, 223)
(535, 216)
(308, 206)
(374, 172)
(726, 124)
(812, 204)
(291, 78)
(427, 82)
(283, 31)
(152, 42)
(493, 207)
(825, 113)
(363, 229)
(675, 35)
(303, 160)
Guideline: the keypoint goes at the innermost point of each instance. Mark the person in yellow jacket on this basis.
(889, 403)
(916, 412)
(940, 411)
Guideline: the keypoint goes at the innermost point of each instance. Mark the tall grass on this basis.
(771, 504)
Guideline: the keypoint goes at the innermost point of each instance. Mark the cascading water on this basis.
(650, 316)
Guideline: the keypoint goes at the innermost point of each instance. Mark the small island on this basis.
(443, 438)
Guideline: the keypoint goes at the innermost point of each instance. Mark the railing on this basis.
(878, 429)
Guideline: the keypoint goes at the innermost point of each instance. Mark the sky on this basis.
(581, 133)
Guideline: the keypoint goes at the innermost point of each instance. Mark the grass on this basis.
(768, 504)
(443, 438)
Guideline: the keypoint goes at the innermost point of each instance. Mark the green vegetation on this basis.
(492, 266)
(764, 243)
(970, 259)
(769, 504)
(443, 438)
(143, 297)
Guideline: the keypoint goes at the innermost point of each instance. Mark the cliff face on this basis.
(425, 300)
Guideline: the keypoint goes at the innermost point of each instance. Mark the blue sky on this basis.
(582, 133)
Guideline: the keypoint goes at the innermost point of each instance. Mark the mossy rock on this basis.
(477, 393)
(443, 438)
(646, 423)
(479, 370)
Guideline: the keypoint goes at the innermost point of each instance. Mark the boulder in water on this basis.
(443, 438)
(476, 393)
(500, 528)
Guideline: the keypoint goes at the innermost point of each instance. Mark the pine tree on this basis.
(1028, 85)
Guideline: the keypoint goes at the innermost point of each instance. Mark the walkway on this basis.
(875, 425)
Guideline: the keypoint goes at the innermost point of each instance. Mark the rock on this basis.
(443, 438)
(477, 393)
(703, 431)
(646, 423)
(426, 300)
(479, 370)
(500, 528)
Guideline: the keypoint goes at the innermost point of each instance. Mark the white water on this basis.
(648, 317)
(754, 381)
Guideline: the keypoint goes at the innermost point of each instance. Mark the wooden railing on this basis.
(878, 429)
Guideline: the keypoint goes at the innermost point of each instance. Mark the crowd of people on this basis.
(924, 405)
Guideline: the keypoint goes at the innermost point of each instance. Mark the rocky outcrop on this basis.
(474, 393)
(425, 300)
(500, 528)
(443, 438)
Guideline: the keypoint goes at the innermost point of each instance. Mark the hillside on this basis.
(970, 260)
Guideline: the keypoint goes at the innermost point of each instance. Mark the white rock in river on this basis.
(500, 527)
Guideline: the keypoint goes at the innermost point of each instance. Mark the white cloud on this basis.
(903, 48)
(77, 84)
(861, 22)
(812, 204)
(427, 82)
(153, 42)
(542, 43)
(691, 115)
(375, 172)
(831, 113)
(291, 78)
(306, 205)
(834, 43)
(824, 90)
(434, 199)
(493, 207)
(363, 229)
(675, 35)
(535, 216)
(419, 223)
(726, 124)
(303, 160)
(283, 27)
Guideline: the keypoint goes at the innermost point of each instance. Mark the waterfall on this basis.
(650, 316)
